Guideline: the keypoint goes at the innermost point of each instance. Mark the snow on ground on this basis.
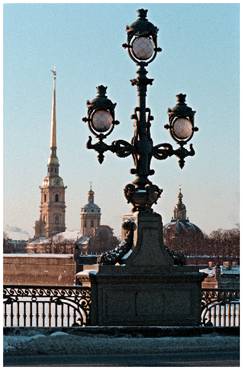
(210, 272)
(63, 343)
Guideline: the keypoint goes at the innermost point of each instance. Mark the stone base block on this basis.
(161, 300)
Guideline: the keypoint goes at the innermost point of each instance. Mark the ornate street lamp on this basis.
(142, 48)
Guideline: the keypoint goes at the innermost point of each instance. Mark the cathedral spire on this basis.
(53, 163)
(180, 209)
(53, 144)
(91, 194)
(52, 206)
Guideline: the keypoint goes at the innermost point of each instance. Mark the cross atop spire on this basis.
(53, 111)
(53, 70)
(90, 193)
(53, 163)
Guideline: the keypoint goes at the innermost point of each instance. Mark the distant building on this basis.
(226, 276)
(93, 238)
(62, 243)
(14, 239)
(14, 246)
(52, 206)
(90, 216)
(50, 235)
(180, 234)
(229, 276)
(101, 237)
(41, 269)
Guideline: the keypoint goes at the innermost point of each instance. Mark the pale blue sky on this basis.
(200, 57)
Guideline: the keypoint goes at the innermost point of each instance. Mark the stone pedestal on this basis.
(147, 289)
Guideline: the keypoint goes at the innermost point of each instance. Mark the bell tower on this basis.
(180, 209)
(52, 206)
(90, 216)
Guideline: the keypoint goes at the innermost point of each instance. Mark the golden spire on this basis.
(53, 163)
(53, 143)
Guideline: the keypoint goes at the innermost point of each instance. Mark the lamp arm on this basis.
(162, 151)
(165, 150)
(120, 147)
(99, 147)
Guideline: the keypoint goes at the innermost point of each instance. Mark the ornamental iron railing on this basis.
(220, 307)
(46, 306)
(67, 306)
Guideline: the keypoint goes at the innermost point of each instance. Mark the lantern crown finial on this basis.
(101, 91)
(181, 98)
(142, 13)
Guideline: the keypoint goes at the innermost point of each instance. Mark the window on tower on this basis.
(56, 197)
(92, 223)
(44, 197)
(57, 219)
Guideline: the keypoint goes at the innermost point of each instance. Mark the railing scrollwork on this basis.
(220, 307)
(46, 306)
(42, 306)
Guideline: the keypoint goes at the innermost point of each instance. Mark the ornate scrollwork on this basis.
(142, 199)
(122, 148)
(216, 297)
(77, 298)
(163, 151)
(182, 153)
(99, 147)
(115, 255)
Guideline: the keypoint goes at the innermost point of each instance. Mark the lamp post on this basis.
(142, 49)
(139, 282)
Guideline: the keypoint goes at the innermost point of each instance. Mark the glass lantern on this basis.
(102, 121)
(182, 129)
(143, 48)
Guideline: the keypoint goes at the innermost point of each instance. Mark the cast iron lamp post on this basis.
(142, 48)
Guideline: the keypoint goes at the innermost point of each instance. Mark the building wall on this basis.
(39, 269)
(89, 223)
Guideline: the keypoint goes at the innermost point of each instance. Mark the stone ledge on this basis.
(134, 331)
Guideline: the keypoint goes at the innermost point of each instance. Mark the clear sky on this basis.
(200, 57)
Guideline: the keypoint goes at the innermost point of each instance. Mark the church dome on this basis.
(90, 207)
(180, 234)
(182, 227)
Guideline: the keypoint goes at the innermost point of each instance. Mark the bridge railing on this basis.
(46, 306)
(220, 307)
(67, 306)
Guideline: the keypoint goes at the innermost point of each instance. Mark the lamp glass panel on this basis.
(143, 48)
(102, 121)
(182, 128)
